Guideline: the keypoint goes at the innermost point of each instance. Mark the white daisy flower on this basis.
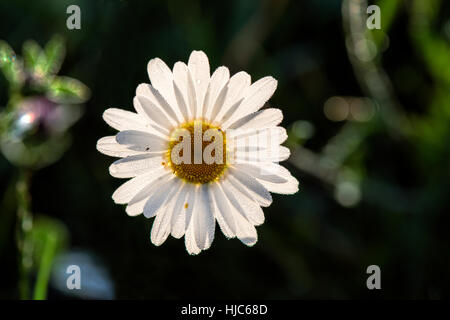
(199, 150)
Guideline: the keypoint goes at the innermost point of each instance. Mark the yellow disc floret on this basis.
(197, 152)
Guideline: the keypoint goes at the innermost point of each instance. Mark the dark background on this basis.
(312, 244)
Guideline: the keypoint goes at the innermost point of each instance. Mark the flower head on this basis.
(199, 150)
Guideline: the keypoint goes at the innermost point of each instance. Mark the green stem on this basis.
(24, 226)
(45, 267)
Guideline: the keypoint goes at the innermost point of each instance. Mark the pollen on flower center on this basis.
(197, 152)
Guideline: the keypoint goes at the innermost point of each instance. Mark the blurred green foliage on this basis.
(373, 189)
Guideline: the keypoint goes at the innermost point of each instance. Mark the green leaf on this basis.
(10, 65)
(44, 62)
(54, 52)
(32, 53)
(433, 47)
(67, 90)
(389, 10)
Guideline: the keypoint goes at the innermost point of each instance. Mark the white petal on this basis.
(236, 89)
(189, 237)
(244, 204)
(141, 141)
(162, 79)
(180, 72)
(154, 112)
(203, 217)
(267, 137)
(133, 166)
(262, 119)
(246, 232)
(216, 93)
(266, 173)
(123, 120)
(288, 187)
(147, 90)
(223, 213)
(129, 189)
(198, 65)
(109, 146)
(151, 126)
(261, 173)
(249, 186)
(283, 154)
(189, 241)
(181, 214)
(157, 199)
(268, 168)
(136, 205)
(161, 225)
(192, 101)
(276, 154)
(255, 98)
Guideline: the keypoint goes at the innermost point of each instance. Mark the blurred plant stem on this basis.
(365, 55)
(37, 242)
(24, 226)
(364, 49)
(249, 39)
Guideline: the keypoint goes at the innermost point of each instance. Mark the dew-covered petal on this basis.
(171, 111)
(109, 146)
(274, 177)
(180, 74)
(288, 187)
(236, 89)
(129, 189)
(188, 207)
(216, 93)
(154, 112)
(189, 241)
(162, 79)
(262, 119)
(136, 205)
(192, 99)
(275, 154)
(223, 213)
(255, 98)
(161, 225)
(246, 232)
(141, 141)
(198, 65)
(259, 136)
(244, 204)
(189, 238)
(133, 166)
(155, 202)
(203, 217)
(181, 211)
(124, 120)
(249, 185)
(262, 173)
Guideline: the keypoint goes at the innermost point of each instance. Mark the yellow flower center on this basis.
(197, 152)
